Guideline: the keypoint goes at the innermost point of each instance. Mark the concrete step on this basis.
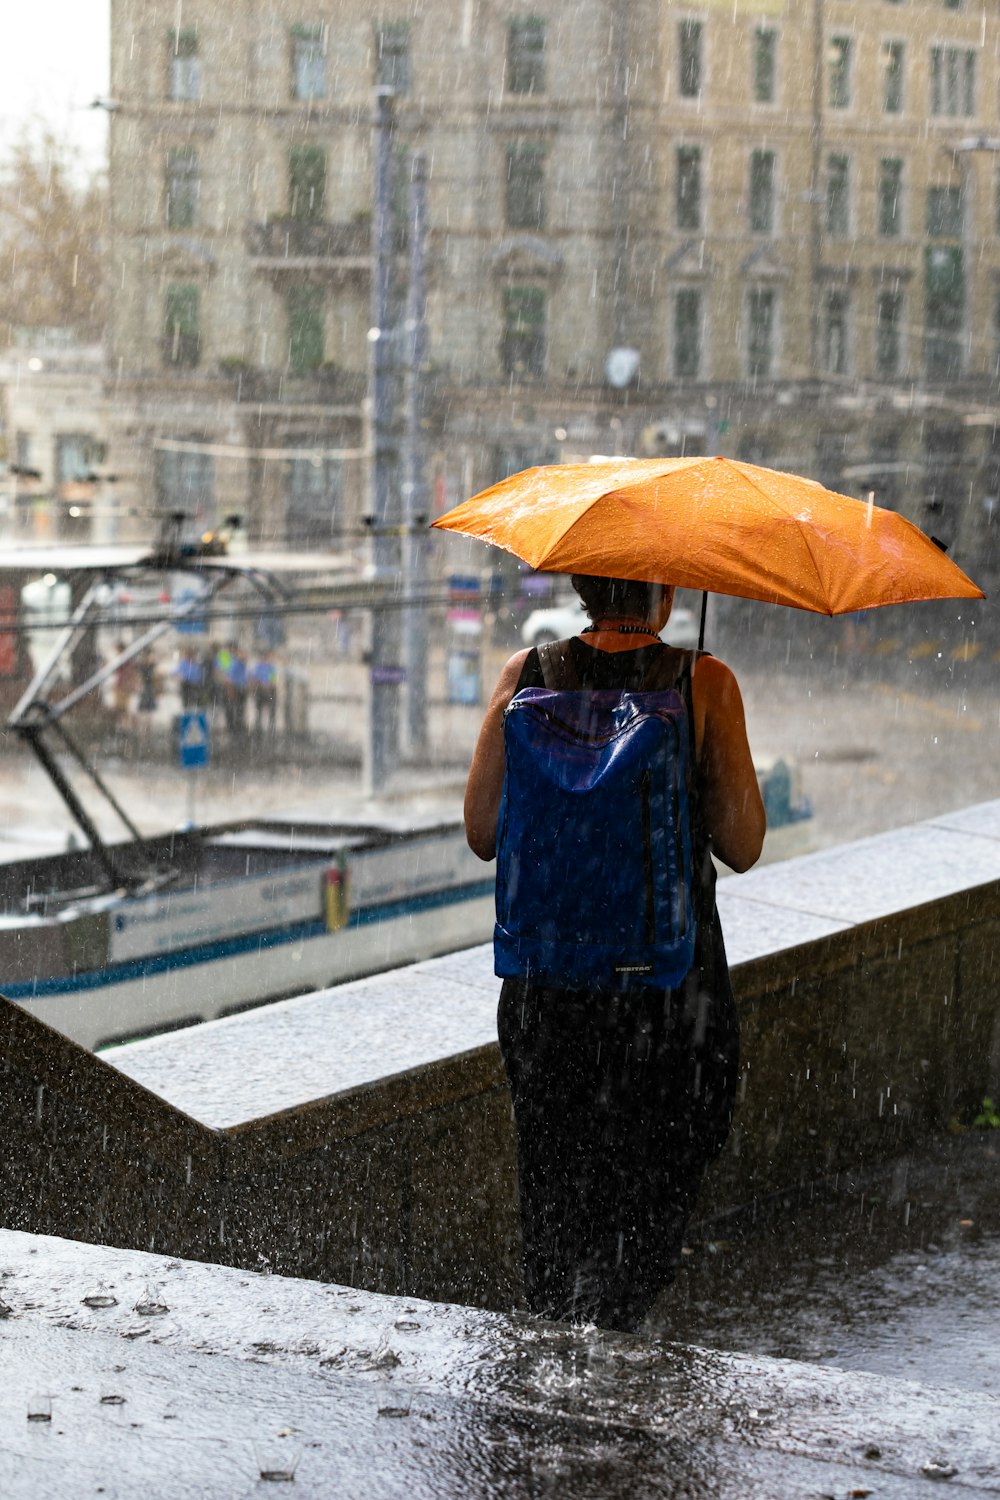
(197, 1377)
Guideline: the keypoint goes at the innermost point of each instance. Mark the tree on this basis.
(52, 222)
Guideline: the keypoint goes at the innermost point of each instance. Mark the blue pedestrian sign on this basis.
(193, 741)
(190, 624)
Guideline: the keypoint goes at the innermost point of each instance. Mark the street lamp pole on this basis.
(415, 493)
(816, 195)
(387, 674)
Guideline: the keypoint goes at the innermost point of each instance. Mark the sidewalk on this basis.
(162, 1377)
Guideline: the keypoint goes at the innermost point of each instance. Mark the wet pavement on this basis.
(174, 1379)
(895, 1271)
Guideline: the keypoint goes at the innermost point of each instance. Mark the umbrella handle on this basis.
(704, 613)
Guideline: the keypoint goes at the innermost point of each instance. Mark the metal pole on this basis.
(386, 669)
(817, 197)
(415, 491)
(619, 180)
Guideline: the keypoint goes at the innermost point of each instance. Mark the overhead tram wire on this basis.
(125, 619)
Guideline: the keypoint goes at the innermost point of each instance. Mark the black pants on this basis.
(620, 1102)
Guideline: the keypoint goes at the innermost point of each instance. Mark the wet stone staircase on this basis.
(335, 1161)
(129, 1373)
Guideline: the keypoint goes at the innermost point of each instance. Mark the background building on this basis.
(763, 227)
(54, 481)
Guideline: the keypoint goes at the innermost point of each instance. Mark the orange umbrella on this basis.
(714, 524)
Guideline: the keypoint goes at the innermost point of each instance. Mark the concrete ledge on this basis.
(363, 1134)
(391, 1398)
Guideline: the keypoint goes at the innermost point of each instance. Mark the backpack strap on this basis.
(670, 668)
(555, 659)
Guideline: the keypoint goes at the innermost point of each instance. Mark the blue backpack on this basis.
(594, 843)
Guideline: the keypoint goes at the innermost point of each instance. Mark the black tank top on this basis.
(627, 670)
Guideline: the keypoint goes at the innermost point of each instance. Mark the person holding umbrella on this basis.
(623, 1092)
(622, 1098)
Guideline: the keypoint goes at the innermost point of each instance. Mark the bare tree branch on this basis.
(52, 227)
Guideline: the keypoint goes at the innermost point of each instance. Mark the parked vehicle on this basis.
(558, 621)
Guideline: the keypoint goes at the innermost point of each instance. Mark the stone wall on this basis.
(397, 1187)
(858, 1044)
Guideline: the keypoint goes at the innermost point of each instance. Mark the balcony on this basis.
(328, 386)
(286, 245)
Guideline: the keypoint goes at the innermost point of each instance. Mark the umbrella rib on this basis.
(806, 536)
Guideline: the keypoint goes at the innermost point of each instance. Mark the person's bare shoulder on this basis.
(713, 672)
(511, 672)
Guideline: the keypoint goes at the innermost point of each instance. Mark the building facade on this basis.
(55, 483)
(767, 228)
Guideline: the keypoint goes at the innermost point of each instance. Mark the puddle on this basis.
(895, 1272)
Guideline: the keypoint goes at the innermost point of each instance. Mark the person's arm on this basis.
(485, 785)
(731, 803)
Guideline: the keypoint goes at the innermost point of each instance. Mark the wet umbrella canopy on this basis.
(712, 524)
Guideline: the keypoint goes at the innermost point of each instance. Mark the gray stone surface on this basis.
(982, 820)
(386, 1397)
(755, 926)
(244, 1067)
(875, 877)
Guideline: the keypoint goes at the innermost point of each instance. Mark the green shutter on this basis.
(945, 271)
(306, 341)
(306, 182)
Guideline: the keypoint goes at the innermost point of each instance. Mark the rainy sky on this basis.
(53, 62)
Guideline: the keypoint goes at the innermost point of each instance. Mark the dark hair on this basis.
(616, 596)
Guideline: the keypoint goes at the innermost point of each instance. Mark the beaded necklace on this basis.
(625, 628)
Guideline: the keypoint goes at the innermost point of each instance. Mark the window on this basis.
(526, 187)
(885, 459)
(689, 40)
(944, 284)
(945, 485)
(392, 56)
(687, 333)
(314, 487)
(762, 192)
(890, 179)
(526, 56)
(838, 195)
(308, 62)
(182, 325)
(184, 66)
(944, 308)
(761, 309)
(306, 334)
(835, 310)
(892, 77)
(688, 204)
(74, 456)
(953, 81)
(765, 59)
(523, 346)
(306, 182)
(183, 187)
(888, 331)
(184, 479)
(839, 59)
(945, 213)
